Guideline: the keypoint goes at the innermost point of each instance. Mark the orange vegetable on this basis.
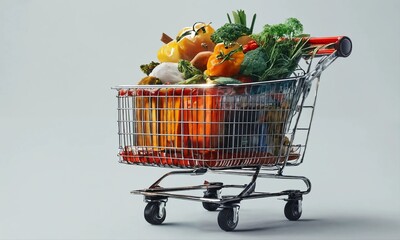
(147, 119)
(225, 60)
(205, 123)
(189, 42)
(192, 40)
(200, 60)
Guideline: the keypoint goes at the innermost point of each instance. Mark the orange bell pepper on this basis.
(196, 39)
(225, 60)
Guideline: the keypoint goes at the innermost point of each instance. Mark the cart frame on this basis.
(156, 196)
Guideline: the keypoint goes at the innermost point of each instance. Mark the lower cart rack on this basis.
(212, 200)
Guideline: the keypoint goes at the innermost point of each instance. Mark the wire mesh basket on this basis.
(209, 126)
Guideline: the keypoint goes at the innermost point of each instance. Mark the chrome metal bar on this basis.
(268, 175)
(310, 121)
(302, 129)
(196, 172)
(290, 177)
(251, 186)
(205, 86)
(178, 196)
(186, 188)
(321, 66)
(292, 137)
(228, 199)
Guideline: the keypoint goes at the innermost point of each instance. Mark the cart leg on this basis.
(228, 217)
(214, 193)
(251, 187)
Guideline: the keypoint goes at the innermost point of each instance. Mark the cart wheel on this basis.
(155, 213)
(293, 210)
(228, 218)
(211, 206)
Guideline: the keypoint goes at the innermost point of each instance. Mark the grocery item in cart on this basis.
(233, 112)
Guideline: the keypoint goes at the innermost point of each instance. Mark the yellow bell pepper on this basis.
(169, 52)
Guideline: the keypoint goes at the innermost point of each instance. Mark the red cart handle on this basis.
(341, 44)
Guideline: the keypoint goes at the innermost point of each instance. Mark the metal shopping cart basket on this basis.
(248, 129)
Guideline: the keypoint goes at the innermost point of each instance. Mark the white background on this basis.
(59, 175)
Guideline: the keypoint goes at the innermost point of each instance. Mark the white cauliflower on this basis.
(167, 72)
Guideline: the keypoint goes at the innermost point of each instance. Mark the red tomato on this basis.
(244, 79)
(122, 92)
(131, 92)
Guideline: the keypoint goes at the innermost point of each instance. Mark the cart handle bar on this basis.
(341, 44)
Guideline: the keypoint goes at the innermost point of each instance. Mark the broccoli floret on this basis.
(254, 63)
(147, 68)
(187, 69)
(229, 33)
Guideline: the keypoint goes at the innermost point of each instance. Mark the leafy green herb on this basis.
(291, 28)
(282, 45)
(196, 79)
(223, 81)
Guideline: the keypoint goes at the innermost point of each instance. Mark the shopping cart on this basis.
(252, 129)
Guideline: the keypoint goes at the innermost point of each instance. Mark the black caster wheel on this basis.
(155, 213)
(293, 210)
(228, 218)
(211, 206)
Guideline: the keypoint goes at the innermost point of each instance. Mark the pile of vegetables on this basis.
(231, 54)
